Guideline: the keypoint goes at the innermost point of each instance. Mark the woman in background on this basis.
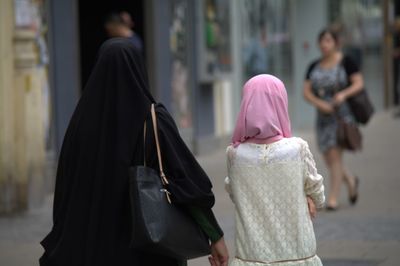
(323, 85)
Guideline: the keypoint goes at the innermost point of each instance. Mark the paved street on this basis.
(367, 234)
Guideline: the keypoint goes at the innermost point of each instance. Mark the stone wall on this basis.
(22, 133)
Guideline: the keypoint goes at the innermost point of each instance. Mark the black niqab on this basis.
(91, 218)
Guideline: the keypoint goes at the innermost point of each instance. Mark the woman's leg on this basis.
(350, 181)
(333, 159)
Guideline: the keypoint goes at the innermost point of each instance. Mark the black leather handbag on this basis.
(361, 107)
(159, 226)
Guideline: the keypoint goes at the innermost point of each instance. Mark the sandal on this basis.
(353, 198)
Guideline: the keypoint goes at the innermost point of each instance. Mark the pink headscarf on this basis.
(263, 116)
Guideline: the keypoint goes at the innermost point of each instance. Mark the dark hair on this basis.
(330, 32)
(114, 18)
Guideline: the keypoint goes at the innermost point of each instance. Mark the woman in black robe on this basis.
(91, 215)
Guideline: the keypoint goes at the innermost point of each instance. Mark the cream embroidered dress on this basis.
(269, 184)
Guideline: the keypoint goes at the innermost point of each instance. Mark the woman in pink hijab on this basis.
(272, 180)
(263, 116)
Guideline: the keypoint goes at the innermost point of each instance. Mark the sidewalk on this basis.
(365, 235)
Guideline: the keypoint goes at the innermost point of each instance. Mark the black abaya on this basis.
(91, 218)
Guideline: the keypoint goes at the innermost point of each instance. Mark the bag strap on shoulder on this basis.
(163, 177)
(155, 128)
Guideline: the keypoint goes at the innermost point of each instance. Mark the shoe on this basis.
(353, 198)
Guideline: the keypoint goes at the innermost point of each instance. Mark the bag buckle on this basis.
(167, 194)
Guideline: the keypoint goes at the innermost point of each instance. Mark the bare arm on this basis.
(320, 104)
(356, 85)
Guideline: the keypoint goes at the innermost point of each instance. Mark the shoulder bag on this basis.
(159, 226)
(361, 105)
(348, 134)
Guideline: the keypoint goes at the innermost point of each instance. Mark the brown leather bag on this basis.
(348, 135)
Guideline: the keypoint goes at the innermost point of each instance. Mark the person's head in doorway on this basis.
(120, 25)
(328, 42)
(115, 26)
(127, 18)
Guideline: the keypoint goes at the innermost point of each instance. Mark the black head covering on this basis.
(91, 207)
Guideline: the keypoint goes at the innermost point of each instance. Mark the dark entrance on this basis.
(91, 27)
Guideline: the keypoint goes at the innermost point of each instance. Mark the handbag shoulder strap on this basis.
(337, 85)
(155, 128)
(163, 178)
(338, 68)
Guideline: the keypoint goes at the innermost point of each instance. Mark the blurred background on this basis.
(198, 54)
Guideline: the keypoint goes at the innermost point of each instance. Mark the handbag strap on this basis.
(155, 128)
(163, 178)
(337, 87)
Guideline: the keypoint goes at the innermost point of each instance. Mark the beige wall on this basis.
(7, 128)
(22, 148)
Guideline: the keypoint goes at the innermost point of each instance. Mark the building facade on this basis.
(198, 53)
(24, 105)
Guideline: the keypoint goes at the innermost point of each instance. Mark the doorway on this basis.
(91, 27)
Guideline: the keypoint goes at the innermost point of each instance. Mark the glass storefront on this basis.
(360, 24)
(259, 35)
(217, 36)
(179, 34)
(213, 59)
(214, 39)
(266, 39)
